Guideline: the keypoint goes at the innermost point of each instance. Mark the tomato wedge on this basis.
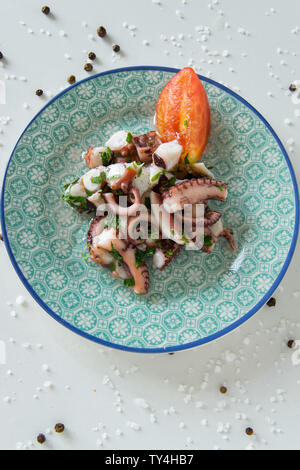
(183, 113)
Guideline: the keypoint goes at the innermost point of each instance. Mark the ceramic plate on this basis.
(199, 297)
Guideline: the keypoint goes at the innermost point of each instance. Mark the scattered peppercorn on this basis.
(271, 302)
(223, 390)
(92, 56)
(293, 87)
(116, 48)
(1, 55)
(46, 10)
(101, 32)
(41, 439)
(171, 354)
(249, 432)
(291, 344)
(88, 67)
(72, 79)
(59, 428)
(39, 92)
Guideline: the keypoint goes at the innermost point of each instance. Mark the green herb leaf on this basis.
(140, 255)
(171, 182)
(208, 241)
(219, 187)
(88, 193)
(185, 239)
(148, 203)
(106, 156)
(157, 175)
(116, 255)
(99, 179)
(129, 282)
(129, 138)
(68, 185)
(186, 123)
(112, 221)
(112, 267)
(85, 257)
(186, 159)
(169, 253)
(77, 202)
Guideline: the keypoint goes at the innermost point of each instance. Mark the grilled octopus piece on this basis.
(193, 191)
(146, 145)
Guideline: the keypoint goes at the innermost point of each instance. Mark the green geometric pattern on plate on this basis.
(198, 295)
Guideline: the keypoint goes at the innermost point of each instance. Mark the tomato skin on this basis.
(183, 113)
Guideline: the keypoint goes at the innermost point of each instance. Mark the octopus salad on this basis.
(150, 193)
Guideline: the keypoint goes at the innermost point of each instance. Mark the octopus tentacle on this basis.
(228, 234)
(125, 180)
(165, 254)
(124, 211)
(192, 192)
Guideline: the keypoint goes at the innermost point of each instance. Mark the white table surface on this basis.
(94, 390)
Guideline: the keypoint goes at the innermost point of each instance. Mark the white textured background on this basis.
(94, 391)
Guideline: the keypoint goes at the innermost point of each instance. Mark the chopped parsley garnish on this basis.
(148, 202)
(185, 239)
(83, 256)
(77, 202)
(219, 187)
(169, 253)
(186, 159)
(112, 221)
(140, 255)
(106, 156)
(98, 179)
(129, 282)
(129, 138)
(157, 175)
(116, 255)
(150, 143)
(138, 167)
(67, 185)
(208, 241)
(210, 167)
(88, 193)
(186, 123)
(112, 267)
(170, 183)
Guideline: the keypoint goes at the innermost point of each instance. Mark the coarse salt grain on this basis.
(20, 300)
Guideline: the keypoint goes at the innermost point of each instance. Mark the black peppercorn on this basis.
(59, 428)
(88, 67)
(223, 390)
(46, 10)
(291, 344)
(39, 92)
(41, 439)
(293, 87)
(72, 79)
(271, 302)
(116, 48)
(1, 55)
(249, 432)
(101, 32)
(92, 56)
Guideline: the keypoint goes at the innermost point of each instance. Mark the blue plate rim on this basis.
(200, 341)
